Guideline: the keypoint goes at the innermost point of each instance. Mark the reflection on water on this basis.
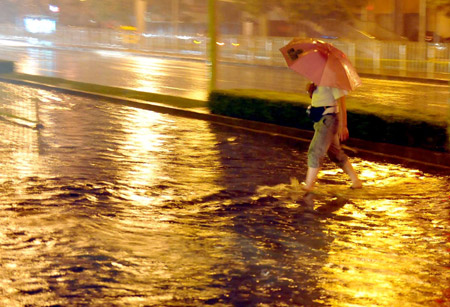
(109, 205)
(432, 102)
(29, 65)
(153, 74)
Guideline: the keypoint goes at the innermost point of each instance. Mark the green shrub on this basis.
(290, 110)
(271, 110)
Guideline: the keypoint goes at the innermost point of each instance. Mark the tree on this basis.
(256, 8)
(121, 11)
(440, 4)
(301, 11)
(305, 9)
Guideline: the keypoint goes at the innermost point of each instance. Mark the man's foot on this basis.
(306, 188)
(308, 200)
(297, 185)
(356, 185)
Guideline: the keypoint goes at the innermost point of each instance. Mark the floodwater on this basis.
(105, 205)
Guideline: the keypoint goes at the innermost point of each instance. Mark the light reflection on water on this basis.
(108, 205)
(402, 226)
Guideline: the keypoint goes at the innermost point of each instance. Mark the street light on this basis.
(53, 8)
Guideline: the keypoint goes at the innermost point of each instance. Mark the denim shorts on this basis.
(326, 141)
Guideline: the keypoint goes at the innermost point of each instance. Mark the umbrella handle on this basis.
(310, 88)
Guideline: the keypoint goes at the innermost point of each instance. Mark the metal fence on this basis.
(368, 55)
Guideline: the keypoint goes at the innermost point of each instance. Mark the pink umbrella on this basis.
(321, 62)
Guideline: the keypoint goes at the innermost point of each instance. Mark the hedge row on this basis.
(6, 67)
(290, 111)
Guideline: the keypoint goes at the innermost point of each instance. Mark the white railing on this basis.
(371, 55)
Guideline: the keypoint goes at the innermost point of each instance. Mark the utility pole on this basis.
(140, 9)
(212, 47)
(422, 20)
(175, 16)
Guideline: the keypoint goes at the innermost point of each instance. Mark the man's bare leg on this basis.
(348, 169)
(311, 176)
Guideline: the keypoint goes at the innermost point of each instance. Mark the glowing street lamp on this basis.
(53, 8)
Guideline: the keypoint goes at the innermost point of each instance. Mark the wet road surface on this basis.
(114, 206)
(187, 78)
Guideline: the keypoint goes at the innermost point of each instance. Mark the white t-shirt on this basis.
(325, 96)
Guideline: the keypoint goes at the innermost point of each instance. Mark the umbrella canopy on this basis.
(321, 62)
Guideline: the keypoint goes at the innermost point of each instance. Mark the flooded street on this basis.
(106, 205)
(190, 79)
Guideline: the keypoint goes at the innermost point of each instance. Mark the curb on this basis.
(409, 156)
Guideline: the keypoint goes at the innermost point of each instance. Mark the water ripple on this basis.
(113, 206)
